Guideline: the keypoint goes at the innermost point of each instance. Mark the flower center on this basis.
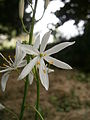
(42, 55)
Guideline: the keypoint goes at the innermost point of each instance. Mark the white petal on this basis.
(4, 80)
(23, 63)
(58, 48)
(44, 41)
(29, 49)
(57, 63)
(37, 42)
(50, 70)
(28, 68)
(7, 69)
(20, 54)
(2, 107)
(43, 75)
(31, 78)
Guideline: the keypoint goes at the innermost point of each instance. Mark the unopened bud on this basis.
(21, 9)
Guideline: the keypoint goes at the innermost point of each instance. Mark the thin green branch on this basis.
(24, 26)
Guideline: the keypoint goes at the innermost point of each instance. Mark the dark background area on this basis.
(79, 54)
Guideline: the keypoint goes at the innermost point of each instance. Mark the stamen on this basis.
(44, 71)
(38, 62)
(10, 59)
(51, 62)
(5, 65)
(2, 67)
(5, 59)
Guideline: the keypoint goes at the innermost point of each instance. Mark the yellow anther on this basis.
(4, 65)
(14, 56)
(9, 56)
(38, 62)
(44, 71)
(51, 62)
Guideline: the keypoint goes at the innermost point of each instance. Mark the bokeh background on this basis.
(69, 20)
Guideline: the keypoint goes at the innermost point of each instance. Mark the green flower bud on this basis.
(21, 9)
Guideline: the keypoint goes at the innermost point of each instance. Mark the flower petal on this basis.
(44, 41)
(31, 78)
(57, 63)
(43, 74)
(20, 54)
(7, 69)
(22, 64)
(58, 48)
(29, 49)
(49, 70)
(28, 68)
(2, 107)
(4, 80)
(37, 42)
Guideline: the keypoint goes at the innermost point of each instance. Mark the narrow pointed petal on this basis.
(7, 69)
(28, 68)
(37, 42)
(4, 80)
(22, 64)
(44, 41)
(31, 78)
(43, 75)
(2, 107)
(20, 54)
(58, 48)
(28, 49)
(57, 63)
(50, 70)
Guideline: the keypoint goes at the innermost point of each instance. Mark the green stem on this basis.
(10, 111)
(38, 94)
(24, 99)
(24, 26)
(32, 24)
(28, 59)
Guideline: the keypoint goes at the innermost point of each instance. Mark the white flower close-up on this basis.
(42, 55)
(18, 63)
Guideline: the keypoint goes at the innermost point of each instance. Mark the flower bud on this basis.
(21, 9)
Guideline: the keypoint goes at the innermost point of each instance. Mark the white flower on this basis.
(42, 55)
(18, 62)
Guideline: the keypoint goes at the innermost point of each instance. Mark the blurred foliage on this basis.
(78, 54)
(9, 20)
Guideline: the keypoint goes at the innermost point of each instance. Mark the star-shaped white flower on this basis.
(42, 55)
(18, 63)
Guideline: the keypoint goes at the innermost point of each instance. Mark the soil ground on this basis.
(68, 97)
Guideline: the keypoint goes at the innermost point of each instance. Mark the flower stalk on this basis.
(28, 60)
(38, 93)
(24, 98)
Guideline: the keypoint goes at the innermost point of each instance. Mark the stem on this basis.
(28, 59)
(38, 89)
(24, 27)
(24, 99)
(10, 111)
(32, 24)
